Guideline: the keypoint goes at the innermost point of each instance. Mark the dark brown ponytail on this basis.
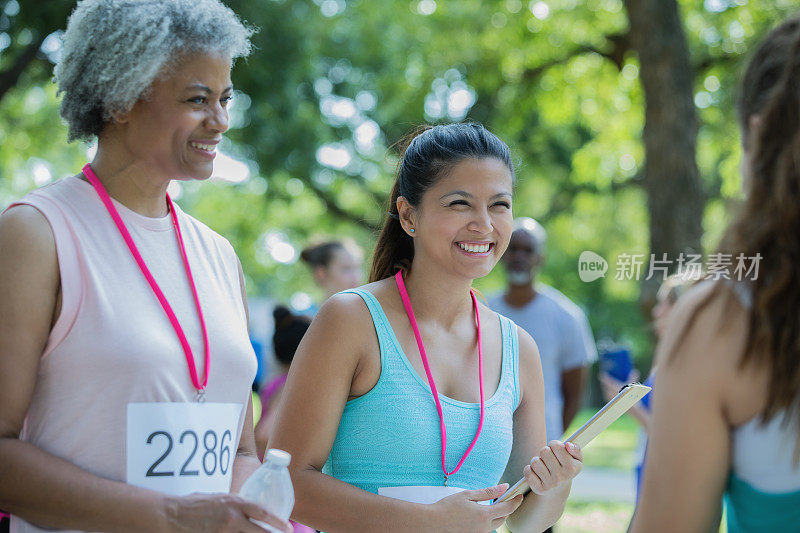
(395, 249)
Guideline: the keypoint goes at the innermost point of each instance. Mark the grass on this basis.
(595, 517)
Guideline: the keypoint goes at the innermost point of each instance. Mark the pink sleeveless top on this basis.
(112, 343)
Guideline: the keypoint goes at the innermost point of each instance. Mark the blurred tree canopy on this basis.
(334, 86)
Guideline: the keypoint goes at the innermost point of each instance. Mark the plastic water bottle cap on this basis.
(278, 457)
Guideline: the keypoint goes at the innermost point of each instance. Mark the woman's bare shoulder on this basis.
(706, 337)
(347, 317)
(383, 289)
(26, 223)
(341, 310)
(29, 248)
(709, 316)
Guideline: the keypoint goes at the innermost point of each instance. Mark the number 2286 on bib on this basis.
(181, 448)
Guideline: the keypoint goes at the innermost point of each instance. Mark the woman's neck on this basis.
(129, 182)
(435, 299)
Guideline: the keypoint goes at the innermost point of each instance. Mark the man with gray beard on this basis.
(559, 327)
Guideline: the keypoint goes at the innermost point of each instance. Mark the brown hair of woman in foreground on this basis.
(768, 222)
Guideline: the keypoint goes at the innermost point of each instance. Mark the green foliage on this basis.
(554, 78)
(29, 123)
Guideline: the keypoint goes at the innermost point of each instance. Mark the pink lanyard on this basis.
(401, 286)
(187, 350)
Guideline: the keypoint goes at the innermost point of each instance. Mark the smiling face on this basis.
(464, 220)
(176, 129)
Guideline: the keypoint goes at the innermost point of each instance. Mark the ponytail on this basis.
(395, 249)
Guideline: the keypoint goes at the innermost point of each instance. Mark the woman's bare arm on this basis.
(267, 421)
(37, 486)
(537, 512)
(246, 461)
(308, 418)
(688, 457)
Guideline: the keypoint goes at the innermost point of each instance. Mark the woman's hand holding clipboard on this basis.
(627, 397)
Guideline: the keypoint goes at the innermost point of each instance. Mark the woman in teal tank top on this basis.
(408, 401)
(725, 420)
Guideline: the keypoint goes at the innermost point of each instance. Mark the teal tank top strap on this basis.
(382, 327)
(372, 303)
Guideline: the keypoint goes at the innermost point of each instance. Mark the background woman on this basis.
(336, 266)
(725, 409)
(289, 331)
(125, 366)
(367, 414)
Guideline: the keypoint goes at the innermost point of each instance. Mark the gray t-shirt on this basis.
(564, 338)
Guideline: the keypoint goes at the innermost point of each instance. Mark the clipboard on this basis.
(619, 404)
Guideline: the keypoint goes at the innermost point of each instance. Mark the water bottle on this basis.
(270, 487)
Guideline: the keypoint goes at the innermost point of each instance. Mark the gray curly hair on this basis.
(113, 50)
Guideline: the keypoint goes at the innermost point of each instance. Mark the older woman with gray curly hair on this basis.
(125, 364)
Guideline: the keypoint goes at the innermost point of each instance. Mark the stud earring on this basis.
(411, 230)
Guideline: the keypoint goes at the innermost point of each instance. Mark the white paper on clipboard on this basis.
(619, 404)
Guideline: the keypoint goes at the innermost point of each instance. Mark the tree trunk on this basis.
(671, 179)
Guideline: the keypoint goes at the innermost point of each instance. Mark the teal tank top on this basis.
(763, 491)
(391, 437)
(750, 510)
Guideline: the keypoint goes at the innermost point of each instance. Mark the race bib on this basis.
(181, 448)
